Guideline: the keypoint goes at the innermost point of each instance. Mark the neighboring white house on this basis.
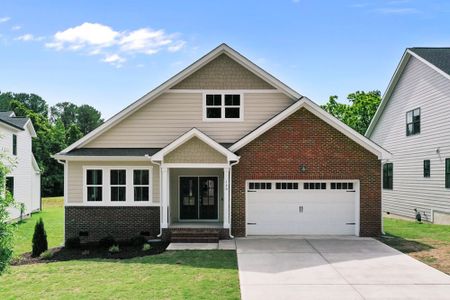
(24, 180)
(413, 123)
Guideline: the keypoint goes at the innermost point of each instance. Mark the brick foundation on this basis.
(305, 139)
(121, 222)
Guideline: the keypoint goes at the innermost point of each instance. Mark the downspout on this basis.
(63, 162)
(231, 193)
(160, 188)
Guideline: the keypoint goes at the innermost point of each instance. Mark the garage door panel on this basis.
(275, 212)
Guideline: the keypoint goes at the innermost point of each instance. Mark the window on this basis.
(94, 184)
(413, 122)
(388, 176)
(10, 185)
(141, 185)
(447, 173)
(314, 186)
(341, 185)
(287, 185)
(223, 107)
(118, 185)
(426, 168)
(14, 144)
(260, 185)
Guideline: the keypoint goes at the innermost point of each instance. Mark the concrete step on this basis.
(194, 239)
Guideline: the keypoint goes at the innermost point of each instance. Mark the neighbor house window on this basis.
(10, 185)
(118, 185)
(94, 184)
(14, 144)
(447, 173)
(388, 176)
(426, 168)
(223, 106)
(141, 185)
(413, 122)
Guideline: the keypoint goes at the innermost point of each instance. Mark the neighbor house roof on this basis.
(437, 59)
(9, 118)
(221, 49)
(320, 113)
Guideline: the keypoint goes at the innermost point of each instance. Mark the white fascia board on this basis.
(322, 114)
(223, 48)
(99, 158)
(387, 94)
(30, 126)
(194, 132)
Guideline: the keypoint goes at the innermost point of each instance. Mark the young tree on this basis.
(6, 229)
(40, 244)
(359, 112)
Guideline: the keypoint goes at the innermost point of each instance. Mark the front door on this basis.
(198, 198)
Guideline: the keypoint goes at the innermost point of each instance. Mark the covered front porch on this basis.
(195, 187)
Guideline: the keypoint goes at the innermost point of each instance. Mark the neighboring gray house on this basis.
(24, 180)
(413, 123)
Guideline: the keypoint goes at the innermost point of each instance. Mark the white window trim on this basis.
(223, 93)
(106, 186)
(85, 185)
(118, 185)
(142, 185)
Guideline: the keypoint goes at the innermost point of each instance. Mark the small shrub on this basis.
(46, 254)
(40, 243)
(107, 241)
(138, 240)
(73, 243)
(146, 247)
(114, 249)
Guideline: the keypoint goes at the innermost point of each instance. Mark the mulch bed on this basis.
(89, 252)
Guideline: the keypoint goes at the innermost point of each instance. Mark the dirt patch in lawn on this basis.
(90, 251)
(431, 252)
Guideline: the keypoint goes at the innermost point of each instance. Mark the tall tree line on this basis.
(57, 127)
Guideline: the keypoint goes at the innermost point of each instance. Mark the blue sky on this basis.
(109, 53)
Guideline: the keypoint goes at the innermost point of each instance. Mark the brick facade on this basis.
(121, 222)
(303, 138)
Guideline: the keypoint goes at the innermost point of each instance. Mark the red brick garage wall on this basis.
(303, 138)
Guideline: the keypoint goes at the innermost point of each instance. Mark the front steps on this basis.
(195, 235)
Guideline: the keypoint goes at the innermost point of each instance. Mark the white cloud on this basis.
(4, 19)
(114, 59)
(99, 39)
(28, 37)
(15, 28)
(397, 11)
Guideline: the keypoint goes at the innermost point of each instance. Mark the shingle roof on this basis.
(9, 118)
(440, 57)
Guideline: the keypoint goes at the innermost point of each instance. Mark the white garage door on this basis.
(301, 207)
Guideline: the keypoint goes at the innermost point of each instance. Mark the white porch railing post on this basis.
(164, 196)
(226, 197)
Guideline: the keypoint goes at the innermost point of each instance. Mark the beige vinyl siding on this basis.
(170, 115)
(223, 73)
(174, 188)
(195, 151)
(75, 177)
(419, 86)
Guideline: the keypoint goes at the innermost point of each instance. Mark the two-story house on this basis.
(413, 123)
(24, 179)
(222, 149)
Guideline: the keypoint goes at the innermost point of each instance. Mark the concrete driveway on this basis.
(333, 268)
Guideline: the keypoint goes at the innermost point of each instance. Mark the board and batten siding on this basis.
(170, 115)
(419, 86)
(75, 177)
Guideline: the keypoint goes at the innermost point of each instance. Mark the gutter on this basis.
(160, 187)
(231, 193)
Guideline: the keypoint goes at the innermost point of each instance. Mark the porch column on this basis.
(226, 197)
(164, 196)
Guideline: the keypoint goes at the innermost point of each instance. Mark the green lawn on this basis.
(427, 242)
(170, 275)
(53, 216)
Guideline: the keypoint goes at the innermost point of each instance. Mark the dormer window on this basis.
(222, 107)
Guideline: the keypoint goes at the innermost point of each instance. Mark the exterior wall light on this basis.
(302, 168)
